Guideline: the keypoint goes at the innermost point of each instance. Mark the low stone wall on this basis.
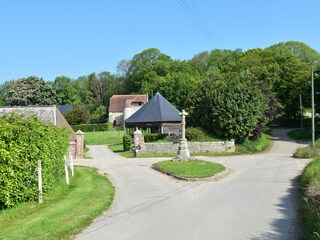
(222, 146)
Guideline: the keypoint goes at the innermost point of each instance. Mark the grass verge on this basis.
(65, 212)
(308, 151)
(304, 134)
(189, 168)
(255, 146)
(310, 211)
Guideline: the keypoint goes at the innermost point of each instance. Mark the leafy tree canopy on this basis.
(31, 91)
(230, 108)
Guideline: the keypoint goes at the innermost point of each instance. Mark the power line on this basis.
(196, 17)
(206, 24)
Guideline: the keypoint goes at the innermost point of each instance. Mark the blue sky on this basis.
(78, 37)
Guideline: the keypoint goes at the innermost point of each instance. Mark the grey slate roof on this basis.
(158, 109)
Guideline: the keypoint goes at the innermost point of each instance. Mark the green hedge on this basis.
(24, 141)
(92, 127)
(154, 137)
(195, 134)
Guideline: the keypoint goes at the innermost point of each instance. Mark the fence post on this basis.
(71, 164)
(40, 182)
(66, 169)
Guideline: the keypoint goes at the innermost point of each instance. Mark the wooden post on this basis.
(66, 169)
(40, 182)
(71, 164)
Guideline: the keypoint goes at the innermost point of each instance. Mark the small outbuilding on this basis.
(123, 106)
(158, 115)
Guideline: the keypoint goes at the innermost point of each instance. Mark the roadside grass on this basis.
(300, 134)
(250, 146)
(118, 148)
(189, 168)
(310, 210)
(66, 210)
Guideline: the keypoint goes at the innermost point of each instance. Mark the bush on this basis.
(91, 127)
(126, 142)
(195, 134)
(154, 137)
(77, 115)
(24, 141)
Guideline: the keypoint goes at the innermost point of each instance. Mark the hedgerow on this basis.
(24, 141)
(92, 127)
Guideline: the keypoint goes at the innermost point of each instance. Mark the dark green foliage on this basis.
(195, 134)
(24, 141)
(154, 137)
(229, 108)
(310, 181)
(31, 91)
(77, 115)
(126, 142)
(91, 127)
(66, 89)
(100, 115)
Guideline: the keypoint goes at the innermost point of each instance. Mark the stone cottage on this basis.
(123, 106)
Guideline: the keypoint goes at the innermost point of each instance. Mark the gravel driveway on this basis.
(258, 200)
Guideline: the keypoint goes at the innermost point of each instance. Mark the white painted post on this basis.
(40, 182)
(66, 169)
(71, 164)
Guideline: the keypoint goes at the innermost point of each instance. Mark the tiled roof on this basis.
(119, 102)
(158, 109)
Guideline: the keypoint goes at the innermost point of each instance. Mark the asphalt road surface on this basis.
(258, 200)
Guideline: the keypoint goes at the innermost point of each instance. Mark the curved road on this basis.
(258, 200)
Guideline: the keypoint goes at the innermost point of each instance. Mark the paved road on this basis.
(258, 200)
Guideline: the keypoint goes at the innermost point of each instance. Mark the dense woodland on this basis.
(232, 94)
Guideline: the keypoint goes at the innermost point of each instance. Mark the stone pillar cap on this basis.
(137, 131)
(79, 132)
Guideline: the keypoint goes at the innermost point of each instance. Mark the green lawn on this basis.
(107, 137)
(189, 168)
(65, 211)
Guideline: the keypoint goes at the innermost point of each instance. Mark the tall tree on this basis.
(145, 68)
(67, 91)
(31, 91)
(4, 88)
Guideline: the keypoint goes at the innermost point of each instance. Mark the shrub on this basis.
(154, 137)
(91, 127)
(195, 134)
(126, 142)
(77, 115)
(24, 141)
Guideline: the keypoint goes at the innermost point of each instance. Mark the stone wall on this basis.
(222, 146)
(47, 114)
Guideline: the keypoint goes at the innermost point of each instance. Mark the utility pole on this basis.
(301, 113)
(312, 106)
